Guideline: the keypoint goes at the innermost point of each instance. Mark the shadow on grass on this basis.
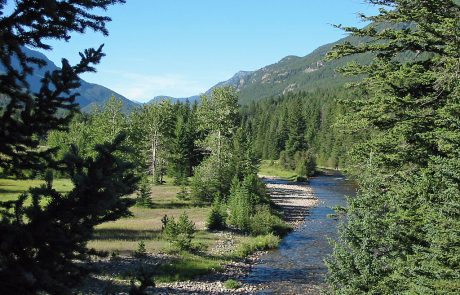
(13, 191)
(186, 268)
(126, 234)
(172, 205)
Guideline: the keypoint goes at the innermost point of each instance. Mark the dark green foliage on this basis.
(184, 153)
(144, 279)
(264, 222)
(402, 232)
(218, 215)
(27, 115)
(44, 233)
(48, 178)
(180, 233)
(42, 239)
(141, 251)
(144, 196)
(299, 123)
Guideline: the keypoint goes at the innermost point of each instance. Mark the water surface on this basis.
(297, 266)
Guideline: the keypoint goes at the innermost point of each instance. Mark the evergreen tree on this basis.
(403, 228)
(183, 145)
(44, 233)
(296, 129)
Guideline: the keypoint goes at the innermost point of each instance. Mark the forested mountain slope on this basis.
(90, 94)
(293, 74)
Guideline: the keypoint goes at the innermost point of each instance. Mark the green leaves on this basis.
(395, 239)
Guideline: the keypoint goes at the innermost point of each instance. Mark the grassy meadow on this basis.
(122, 237)
(272, 168)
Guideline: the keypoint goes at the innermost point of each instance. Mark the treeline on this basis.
(204, 148)
(161, 137)
(300, 129)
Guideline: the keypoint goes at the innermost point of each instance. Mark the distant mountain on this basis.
(159, 98)
(307, 73)
(292, 74)
(90, 94)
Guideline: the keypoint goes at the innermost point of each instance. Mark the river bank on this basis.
(294, 200)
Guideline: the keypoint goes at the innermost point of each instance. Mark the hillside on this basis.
(293, 74)
(90, 94)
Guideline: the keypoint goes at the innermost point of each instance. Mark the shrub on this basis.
(141, 251)
(144, 196)
(183, 194)
(217, 217)
(264, 222)
(144, 279)
(240, 209)
(180, 233)
(231, 284)
(306, 163)
(205, 182)
(259, 243)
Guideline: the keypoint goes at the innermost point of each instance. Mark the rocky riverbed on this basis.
(294, 200)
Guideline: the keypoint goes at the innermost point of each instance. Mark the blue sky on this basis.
(183, 47)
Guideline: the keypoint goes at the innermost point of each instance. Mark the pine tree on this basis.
(44, 233)
(403, 228)
(296, 129)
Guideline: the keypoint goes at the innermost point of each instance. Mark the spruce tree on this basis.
(403, 228)
(43, 234)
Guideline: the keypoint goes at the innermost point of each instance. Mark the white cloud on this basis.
(144, 87)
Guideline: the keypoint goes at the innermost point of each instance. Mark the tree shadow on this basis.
(126, 234)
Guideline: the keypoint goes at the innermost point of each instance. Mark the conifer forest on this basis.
(333, 173)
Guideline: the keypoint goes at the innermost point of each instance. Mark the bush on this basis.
(144, 196)
(217, 217)
(180, 233)
(183, 194)
(259, 243)
(231, 284)
(306, 163)
(143, 280)
(264, 222)
(141, 251)
(205, 182)
(240, 209)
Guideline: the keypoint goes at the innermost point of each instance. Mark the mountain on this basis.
(159, 98)
(307, 73)
(90, 94)
(292, 74)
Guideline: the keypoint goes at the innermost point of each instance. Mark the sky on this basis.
(181, 48)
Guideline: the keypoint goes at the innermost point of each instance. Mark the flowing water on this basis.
(297, 266)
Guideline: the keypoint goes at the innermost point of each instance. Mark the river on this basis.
(297, 266)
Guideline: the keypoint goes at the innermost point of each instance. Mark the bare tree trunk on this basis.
(154, 156)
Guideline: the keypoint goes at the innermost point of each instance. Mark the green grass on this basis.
(271, 168)
(231, 284)
(187, 267)
(250, 245)
(123, 236)
(10, 189)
